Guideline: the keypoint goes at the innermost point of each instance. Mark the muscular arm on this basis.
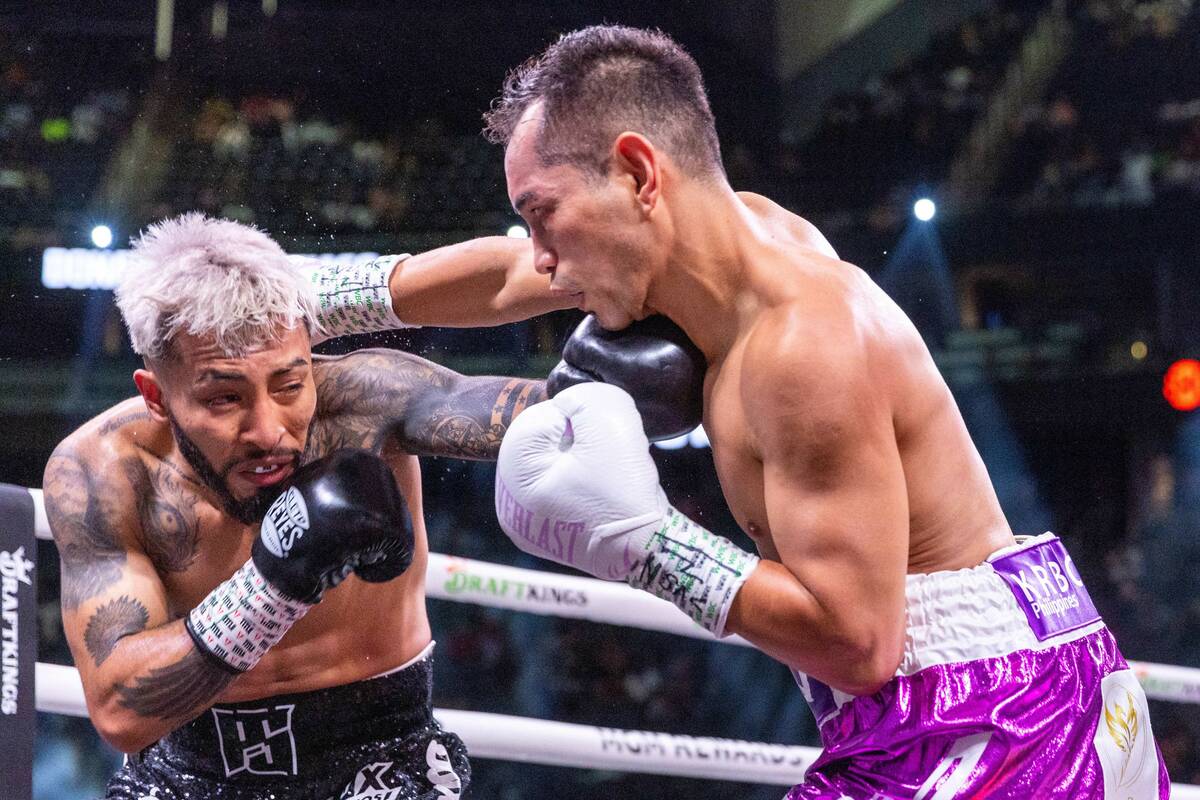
(367, 397)
(833, 605)
(481, 282)
(142, 676)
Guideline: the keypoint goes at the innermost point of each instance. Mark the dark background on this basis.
(1055, 286)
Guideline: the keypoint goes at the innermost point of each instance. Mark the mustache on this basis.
(248, 511)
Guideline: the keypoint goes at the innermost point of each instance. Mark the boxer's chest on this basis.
(739, 469)
(208, 546)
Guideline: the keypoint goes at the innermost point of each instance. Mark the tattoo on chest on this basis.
(78, 505)
(120, 617)
(170, 527)
(176, 690)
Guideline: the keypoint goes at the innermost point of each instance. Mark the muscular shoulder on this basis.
(92, 502)
(102, 452)
(812, 371)
(111, 488)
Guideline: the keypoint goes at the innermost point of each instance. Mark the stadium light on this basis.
(102, 236)
(1181, 385)
(518, 232)
(924, 209)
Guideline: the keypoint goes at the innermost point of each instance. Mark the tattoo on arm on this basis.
(177, 690)
(370, 395)
(113, 620)
(90, 550)
(472, 421)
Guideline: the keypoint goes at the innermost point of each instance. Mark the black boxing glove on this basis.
(340, 514)
(651, 359)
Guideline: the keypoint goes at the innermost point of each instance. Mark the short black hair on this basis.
(599, 81)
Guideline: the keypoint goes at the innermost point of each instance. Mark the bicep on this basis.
(837, 505)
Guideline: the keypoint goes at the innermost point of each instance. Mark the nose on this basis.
(544, 258)
(263, 427)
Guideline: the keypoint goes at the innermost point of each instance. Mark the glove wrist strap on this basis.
(242, 618)
(354, 298)
(694, 568)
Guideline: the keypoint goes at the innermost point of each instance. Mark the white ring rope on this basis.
(535, 741)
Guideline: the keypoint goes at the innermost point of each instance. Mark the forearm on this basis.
(849, 648)
(471, 419)
(832, 632)
(149, 684)
(481, 282)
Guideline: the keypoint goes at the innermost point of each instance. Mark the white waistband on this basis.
(425, 653)
(954, 616)
(968, 614)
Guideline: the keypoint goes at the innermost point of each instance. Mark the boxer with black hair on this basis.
(941, 657)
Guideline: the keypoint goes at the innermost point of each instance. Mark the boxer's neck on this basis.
(703, 286)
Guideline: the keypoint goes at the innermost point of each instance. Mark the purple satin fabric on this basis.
(1027, 721)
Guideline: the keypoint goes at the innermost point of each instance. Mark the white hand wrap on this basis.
(694, 568)
(243, 618)
(354, 298)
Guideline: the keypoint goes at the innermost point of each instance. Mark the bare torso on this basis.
(358, 629)
(954, 516)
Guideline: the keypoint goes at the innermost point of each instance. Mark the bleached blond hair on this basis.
(211, 277)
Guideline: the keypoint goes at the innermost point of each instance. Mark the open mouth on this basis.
(267, 474)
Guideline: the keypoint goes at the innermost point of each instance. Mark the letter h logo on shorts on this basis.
(257, 740)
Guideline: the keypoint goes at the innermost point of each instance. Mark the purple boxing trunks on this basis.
(1011, 687)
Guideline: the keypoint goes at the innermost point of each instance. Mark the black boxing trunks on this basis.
(371, 740)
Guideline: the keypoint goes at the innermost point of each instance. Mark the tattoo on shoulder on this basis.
(170, 528)
(122, 420)
(77, 506)
(177, 690)
(110, 622)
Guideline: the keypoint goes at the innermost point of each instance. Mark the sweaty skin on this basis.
(143, 539)
(839, 447)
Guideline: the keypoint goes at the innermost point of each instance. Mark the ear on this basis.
(151, 391)
(635, 156)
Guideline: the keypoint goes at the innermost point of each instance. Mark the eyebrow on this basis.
(223, 375)
(522, 199)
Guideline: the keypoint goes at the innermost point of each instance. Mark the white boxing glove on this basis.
(575, 483)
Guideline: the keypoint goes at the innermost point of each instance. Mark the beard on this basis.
(249, 511)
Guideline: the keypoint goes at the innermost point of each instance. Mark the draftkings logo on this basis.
(461, 582)
(257, 740)
(14, 570)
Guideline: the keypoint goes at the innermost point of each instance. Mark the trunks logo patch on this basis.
(370, 784)
(441, 772)
(1047, 587)
(257, 740)
(1124, 740)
